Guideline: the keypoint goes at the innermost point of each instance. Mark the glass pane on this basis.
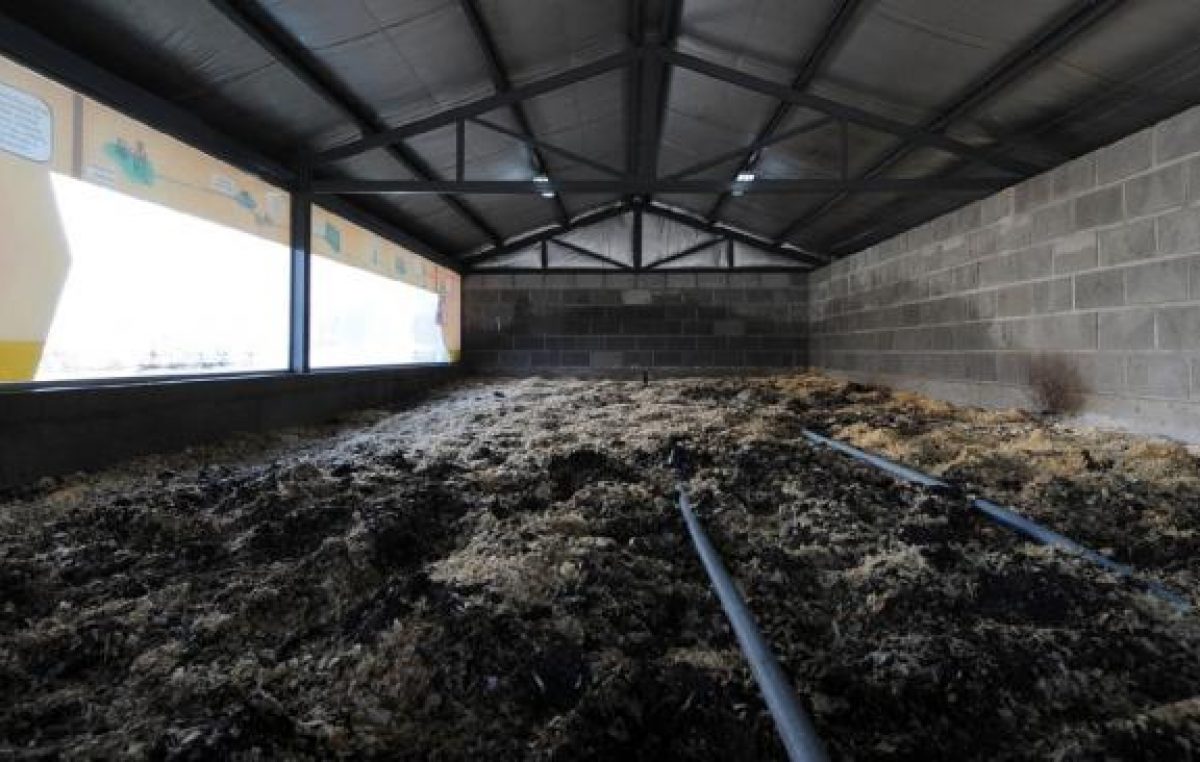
(124, 252)
(375, 302)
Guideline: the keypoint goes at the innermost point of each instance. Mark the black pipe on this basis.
(794, 728)
(1008, 518)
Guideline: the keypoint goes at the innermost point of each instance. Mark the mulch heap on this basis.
(501, 573)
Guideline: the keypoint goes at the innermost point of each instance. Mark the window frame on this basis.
(40, 56)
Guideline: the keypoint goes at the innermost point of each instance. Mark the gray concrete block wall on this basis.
(1096, 261)
(607, 322)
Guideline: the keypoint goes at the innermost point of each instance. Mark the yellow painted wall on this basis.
(34, 257)
(96, 144)
(101, 146)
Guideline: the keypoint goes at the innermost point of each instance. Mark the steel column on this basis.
(301, 283)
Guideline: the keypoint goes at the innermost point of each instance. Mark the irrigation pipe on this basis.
(1007, 518)
(794, 728)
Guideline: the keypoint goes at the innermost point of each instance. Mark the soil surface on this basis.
(501, 573)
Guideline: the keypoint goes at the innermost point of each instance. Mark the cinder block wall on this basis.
(608, 322)
(1097, 261)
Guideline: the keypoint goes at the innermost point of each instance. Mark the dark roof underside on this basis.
(1038, 81)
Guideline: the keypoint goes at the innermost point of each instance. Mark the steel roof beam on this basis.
(757, 145)
(277, 42)
(836, 27)
(476, 108)
(633, 186)
(536, 237)
(499, 77)
(589, 253)
(1015, 64)
(699, 223)
(533, 142)
(910, 133)
(693, 249)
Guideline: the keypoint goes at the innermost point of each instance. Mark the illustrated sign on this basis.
(26, 125)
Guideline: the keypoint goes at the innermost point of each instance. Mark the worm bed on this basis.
(501, 573)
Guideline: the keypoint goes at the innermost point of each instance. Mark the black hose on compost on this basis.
(1007, 518)
(793, 725)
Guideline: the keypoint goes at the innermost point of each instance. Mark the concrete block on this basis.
(1012, 368)
(1071, 331)
(1016, 232)
(1166, 376)
(1032, 193)
(1125, 157)
(637, 297)
(1061, 296)
(719, 280)
(1179, 328)
(996, 207)
(681, 280)
(620, 280)
(1074, 177)
(1195, 288)
(1075, 253)
(1027, 264)
(1101, 207)
(1154, 191)
(776, 280)
(652, 280)
(1178, 136)
(1193, 180)
(1105, 288)
(1179, 232)
(1157, 282)
(983, 242)
(529, 280)
(1127, 329)
(1052, 221)
(560, 280)
(1018, 300)
(729, 328)
(607, 359)
(980, 306)
(1130, 242)
(1099, 372)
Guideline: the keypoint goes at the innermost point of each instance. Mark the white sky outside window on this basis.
(360, 318)
(154, 291)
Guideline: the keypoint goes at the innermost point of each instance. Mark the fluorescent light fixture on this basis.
(547, 194)
(745, 177)
(542, 180)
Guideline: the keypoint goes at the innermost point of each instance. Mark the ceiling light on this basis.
(541, 179)
(745, 177)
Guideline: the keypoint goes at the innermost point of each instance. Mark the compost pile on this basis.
(501, 573)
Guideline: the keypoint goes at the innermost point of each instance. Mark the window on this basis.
(124, 252)
(376, 303)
